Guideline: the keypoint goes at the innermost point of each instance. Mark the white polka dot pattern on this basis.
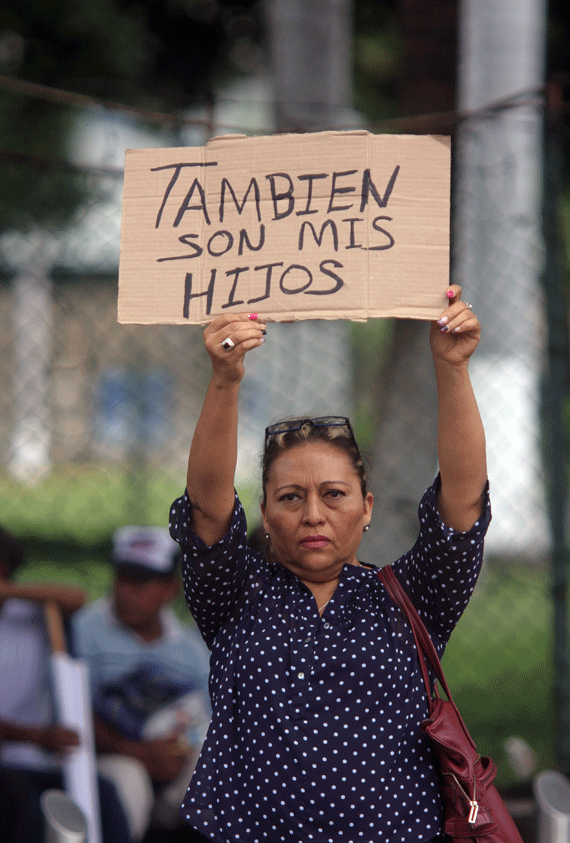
(315, 729)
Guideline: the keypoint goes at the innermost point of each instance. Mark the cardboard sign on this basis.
(330, 225)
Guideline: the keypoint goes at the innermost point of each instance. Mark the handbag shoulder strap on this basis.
(424, 644)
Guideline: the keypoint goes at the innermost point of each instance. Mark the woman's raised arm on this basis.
(461, 438)
(213, 453)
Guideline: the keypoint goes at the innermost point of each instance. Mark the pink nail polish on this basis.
(450, 294)
(444, 329)
(252, 316)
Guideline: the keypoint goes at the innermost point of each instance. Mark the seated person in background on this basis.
(31, 743)
(149, 677)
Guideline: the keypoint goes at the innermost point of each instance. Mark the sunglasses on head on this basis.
(297, 424)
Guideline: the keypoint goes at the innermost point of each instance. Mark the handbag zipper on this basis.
(474, 810)
(473, 804)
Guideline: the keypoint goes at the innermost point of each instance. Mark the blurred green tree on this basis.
(378, 49)
(166, 55)
(161, 54)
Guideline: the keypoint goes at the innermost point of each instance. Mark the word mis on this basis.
(275, 207)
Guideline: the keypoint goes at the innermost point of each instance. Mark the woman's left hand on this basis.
(456, 334)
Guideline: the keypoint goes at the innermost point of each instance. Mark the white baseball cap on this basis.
(147, 549)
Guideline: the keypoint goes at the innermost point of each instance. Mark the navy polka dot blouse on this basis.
(314, 735)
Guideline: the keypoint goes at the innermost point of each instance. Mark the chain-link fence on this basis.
(96, 418)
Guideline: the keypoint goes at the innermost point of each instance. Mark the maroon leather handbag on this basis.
(472, 807)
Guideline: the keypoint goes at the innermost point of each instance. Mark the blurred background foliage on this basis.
(166, 55)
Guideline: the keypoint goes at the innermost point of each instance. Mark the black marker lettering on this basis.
(326, 271)
(253, 184)
(302, 289)
(335, 190)
(310, 178)
(185, 239)
(177, 169)
(318, 237)
(188, 294)
(269, 268)
(382, 231)
(229, 243)
(368, 186)
(186, 203)
(353, 244)
(244, 239)
(278, 197)
(231, 302)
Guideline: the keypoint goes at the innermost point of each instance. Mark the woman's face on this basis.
(314, 510)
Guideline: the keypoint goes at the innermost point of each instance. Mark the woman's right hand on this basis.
(242, 332)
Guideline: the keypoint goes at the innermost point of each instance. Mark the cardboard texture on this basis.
(329, 225)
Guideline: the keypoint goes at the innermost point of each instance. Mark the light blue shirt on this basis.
(25, 681)
(121, 663)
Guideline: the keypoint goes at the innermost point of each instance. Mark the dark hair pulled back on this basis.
(340, 437)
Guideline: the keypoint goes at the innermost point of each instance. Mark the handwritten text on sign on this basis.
(331, 225)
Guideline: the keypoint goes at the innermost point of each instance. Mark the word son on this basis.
(343, 228)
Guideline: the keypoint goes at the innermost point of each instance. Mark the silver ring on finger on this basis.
(468, 305)
(228, 344)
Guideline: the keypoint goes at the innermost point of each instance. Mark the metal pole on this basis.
(496, 254)
(32, 325)
(554, 395)
(309, 52)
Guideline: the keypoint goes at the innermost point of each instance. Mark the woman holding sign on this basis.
(316, 692)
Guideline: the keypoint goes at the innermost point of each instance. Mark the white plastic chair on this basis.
(65, 822)
(552, 794)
